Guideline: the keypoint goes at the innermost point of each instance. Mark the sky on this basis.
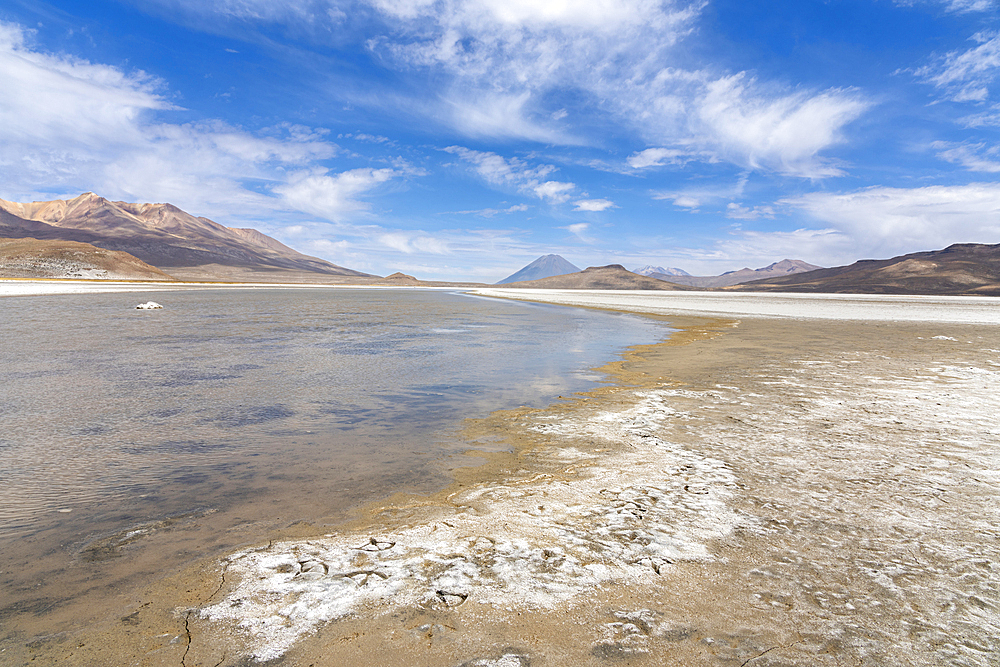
(462, 139)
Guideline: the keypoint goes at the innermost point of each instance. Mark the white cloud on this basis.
(990, 118)
(492, 212)
(55, 98)
(503, 68)
(593, 205)
(966, 76)
(684, 201)
(555, 192)
(334, 197)
(884, 222)
(956, 6)
(515, 174)
(414, 242)
(579, 230)
(732, 118)
(740, 212)
(657, 157)
(962, 6)
(782, 133)
(974, 157)
(68, 125)
(506, 61)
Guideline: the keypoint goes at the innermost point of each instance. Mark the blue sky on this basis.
(461, 139)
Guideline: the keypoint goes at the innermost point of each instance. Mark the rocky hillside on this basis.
(166, 237)
(32, 258)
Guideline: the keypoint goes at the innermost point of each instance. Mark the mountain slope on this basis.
(963, 268)
(613, 276)
(164, 236)
(31, 258)
(783, 268)
(543, 267)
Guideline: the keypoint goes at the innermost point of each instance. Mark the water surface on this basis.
(233, 413)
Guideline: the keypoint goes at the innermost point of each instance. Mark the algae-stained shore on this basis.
(751, 492)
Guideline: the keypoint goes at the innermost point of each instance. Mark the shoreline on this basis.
(13, 287)
(724, 563)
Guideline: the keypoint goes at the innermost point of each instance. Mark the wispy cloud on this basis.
(784, 133)
(966, 76)
(990, 118)
(973, 156)
(332, 196)
(657, 157)
(515, 174)
(69, 125)
(579, 230)
(956, 6)
(493, 212)
(415, 242)
(739, 212)
(503, 69)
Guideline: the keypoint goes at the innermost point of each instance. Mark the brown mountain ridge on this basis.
(164, 236)
(960, 269)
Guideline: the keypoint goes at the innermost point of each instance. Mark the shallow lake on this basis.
(233, 413)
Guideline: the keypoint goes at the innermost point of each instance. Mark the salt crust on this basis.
(623, 514)
(859, 307)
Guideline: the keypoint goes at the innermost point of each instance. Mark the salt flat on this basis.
(870, 307)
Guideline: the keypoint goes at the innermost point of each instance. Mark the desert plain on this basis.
(808, 486)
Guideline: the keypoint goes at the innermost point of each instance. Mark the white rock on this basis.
(149, 305)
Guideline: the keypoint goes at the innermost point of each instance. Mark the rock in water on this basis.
(149, 305)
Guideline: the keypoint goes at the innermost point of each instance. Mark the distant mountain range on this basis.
(964, 268)
(543, 267)
(551, 266)
(613, 276)
(659, 270)
(783, 268)
(166, 237)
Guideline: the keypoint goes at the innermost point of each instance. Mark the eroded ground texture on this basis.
(761, 492)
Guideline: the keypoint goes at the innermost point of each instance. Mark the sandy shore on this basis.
(755, 491)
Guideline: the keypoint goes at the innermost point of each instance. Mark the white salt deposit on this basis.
(621, 515)
(869, 307)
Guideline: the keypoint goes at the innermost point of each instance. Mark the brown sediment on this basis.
(854, 465)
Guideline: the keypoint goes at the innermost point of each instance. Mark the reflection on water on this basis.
(230, 414)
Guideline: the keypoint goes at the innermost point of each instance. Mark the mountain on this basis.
(31, 258)
(613, 276)
(963, 268)
(783, 268)
(187, 247)
(650, 270)
(543, 267)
